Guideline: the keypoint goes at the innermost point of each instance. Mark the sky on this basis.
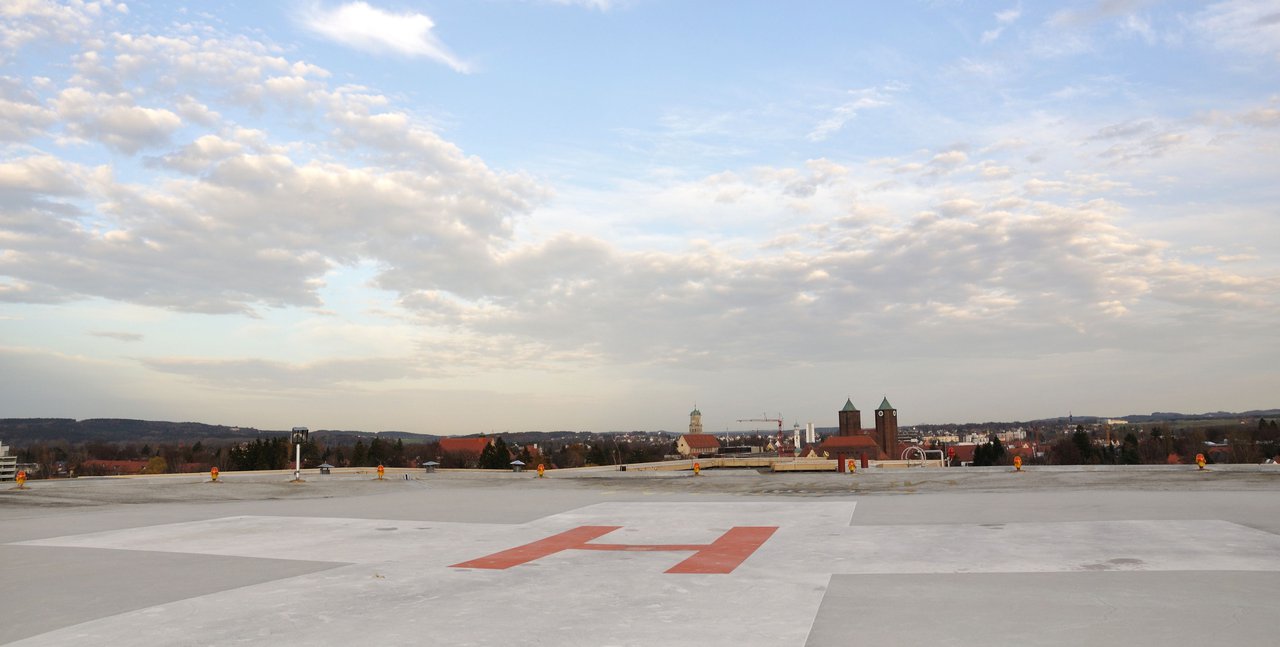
(506, 215)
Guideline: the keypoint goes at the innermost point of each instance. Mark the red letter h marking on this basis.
(720, 556)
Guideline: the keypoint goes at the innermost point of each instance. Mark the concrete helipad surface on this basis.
(924, 557)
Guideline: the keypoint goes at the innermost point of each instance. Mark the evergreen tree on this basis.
(504, 452)
(495, 456)
(991, 452)
(1129, 450)
(397, 454)
(1083, 445)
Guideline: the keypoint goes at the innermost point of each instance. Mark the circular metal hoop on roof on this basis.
(919, 453)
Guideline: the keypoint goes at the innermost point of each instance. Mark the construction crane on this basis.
(766, 418)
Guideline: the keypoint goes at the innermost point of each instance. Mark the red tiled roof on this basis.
(1024, 451)
(848, 442)
(471, 446)
(701, 441)
(964, 452)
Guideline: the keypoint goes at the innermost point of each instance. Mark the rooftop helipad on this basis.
(723, 559)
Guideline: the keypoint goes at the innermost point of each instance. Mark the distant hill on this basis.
(1169, 416)
(24, 431)
(1160, 416)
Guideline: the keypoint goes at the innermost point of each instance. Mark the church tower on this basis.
(695, 421)
(887, 429)
(850, 420)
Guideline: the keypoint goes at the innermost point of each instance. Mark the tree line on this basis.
(1158, 445)
(102, 458)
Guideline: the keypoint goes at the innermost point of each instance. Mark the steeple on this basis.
(850, 420)
(886, 434)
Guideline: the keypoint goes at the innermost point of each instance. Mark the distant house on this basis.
(697, 444)
(962, 454)
(465, 448)
(1024, 450)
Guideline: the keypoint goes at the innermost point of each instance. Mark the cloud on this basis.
(1242, 26)
(1099, 11)
(257, 374)
(363, 27)
(1003, 20)
(996, 271)
(946, 162)
(1009, 16)
(962, 250)
(22, 114)
(1141, 27)
(83, 388)
(864, 99)
(1070, 32)
(118, 336)
(40, 175)
(992, 171)
(1262, 117)
(600, 5)
(254, 220)
(1123, 130)
(1156, 145)
(115, 120)
(25, 22)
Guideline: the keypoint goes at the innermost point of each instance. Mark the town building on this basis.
(8, 464)
(697, 444)
(886, 433)
(852, 442)
(695, 421)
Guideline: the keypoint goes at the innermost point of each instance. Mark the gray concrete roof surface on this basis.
(925, 556)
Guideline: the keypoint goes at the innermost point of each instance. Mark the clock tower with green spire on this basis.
(887, 428)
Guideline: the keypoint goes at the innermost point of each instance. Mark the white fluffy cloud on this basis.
(114, 120)
(251, 220)
(361, 26)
